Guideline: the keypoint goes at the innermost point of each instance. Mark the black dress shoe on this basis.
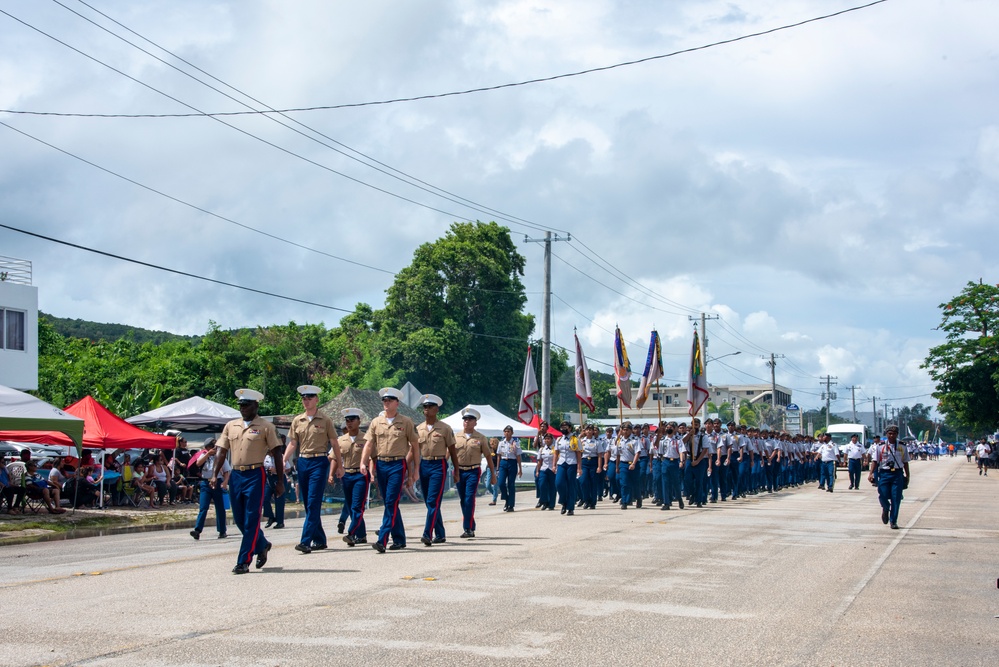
(340, 526)
(222, 536)
(894, 526)
(884, 516)
(262, 557)
(664, 507)
(279, 526)
(426, 541)
(349, 540)
(623, 506)
(242, 568)
(440, 540)
(564, 509)
(467, 533)
(681, 503)
(363, 540)
(396, 547)
(378, 546)
(195, 534)
(538, 505)
(304, 548)
(270, 522)
(571, 513)
(318, 547)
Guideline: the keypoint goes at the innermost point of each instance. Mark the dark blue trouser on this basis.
(628, 480)
(745, 476)
(601, 483)
(724, 478)
(565, 483)
(468, 484)
(613, 481)
(890, 492)
(657, 479)
(313, 474)
(588, 480)
(640, 490)
(355, 497)
(854, 468)
(713, 481)
(433, 478)
(699, 476)
(207, 497)
(391, 478)
(546, 488)
(507, 476)
(827, 474)
(246, 497)
(277, 511)
(671, 482)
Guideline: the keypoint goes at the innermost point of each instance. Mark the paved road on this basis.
(796, 578)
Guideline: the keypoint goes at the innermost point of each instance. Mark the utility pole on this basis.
(828, 395)
(853, 400)
(874, 415)
(704, 353)
(546, 324)
(773, 380)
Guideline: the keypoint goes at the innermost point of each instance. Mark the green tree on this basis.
(966, 366)
(453, 321)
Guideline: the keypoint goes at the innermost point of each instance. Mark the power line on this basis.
(250, 134)
(470, 91)
(446, 195)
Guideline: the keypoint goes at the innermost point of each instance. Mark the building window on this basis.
(12, 330)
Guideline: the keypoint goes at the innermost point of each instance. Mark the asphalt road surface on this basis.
(800, 577)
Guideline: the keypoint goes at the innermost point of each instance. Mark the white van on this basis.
(841, 434)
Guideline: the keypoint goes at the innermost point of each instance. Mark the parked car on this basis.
(528, 463)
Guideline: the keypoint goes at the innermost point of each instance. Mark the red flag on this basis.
(530, 387)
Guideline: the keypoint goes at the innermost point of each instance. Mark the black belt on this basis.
(390, 458)
(589, 458)
(252, 466)
(672, 459)
(467, 468)
(434, 458)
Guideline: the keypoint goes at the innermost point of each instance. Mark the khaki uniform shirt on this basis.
(248, 444)
(351, 451)
(391, 439)
(471, 448)
(435, 442)
(313, 437)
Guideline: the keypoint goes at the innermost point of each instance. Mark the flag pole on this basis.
(659, 402)
(580, 416)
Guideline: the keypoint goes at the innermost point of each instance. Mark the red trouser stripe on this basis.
(256, 533)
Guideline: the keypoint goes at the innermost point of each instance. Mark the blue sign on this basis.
(792, 407)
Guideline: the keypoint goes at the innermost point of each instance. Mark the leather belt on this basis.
(252, 466)
(434, 458)
(310, 456)
(351, 470)
(672, 459)
(589, 458)
(467, 468)
(390, 458)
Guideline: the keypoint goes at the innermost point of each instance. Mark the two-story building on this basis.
(18, 325)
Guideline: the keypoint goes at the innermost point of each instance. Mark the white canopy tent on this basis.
(24, 412)
(491, 423)
(194, 411)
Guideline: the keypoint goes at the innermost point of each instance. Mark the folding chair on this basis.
(128, 489)
(33, 501)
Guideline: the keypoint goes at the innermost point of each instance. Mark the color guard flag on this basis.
(697, 386)
(622, 369)
(653, 369)
(525, 412)
(584, 391)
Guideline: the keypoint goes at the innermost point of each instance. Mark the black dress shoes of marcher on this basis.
(195, 534)
(270, 522)
(340, 526)
(304, 548)
(884, 516)
(426, 541)
(242, 568)
(349, 540)
(262, 557)
(378, 546)
(396, 547)
(467, 533)
(440, 540)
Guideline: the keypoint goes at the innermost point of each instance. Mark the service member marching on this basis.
(248, 440)
(355, 484)
(508, 452)
(394, 446)
(313, 434)
(471, 446)
(891, 460)
(436, 448)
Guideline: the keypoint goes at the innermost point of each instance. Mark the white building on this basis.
(18, 325)
(672, 401)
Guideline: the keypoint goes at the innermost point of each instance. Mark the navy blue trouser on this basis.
(565, 483)
(546, 488)
(276, 511)
(433, 478)
(468, 484)
(391, 478)
(246, 497)
(671, 490)
(588, 480)
(890, 492)
(699, 476)
(628, 479)
(827, 474)
(854, 468)
(312, 476)
(355, 497)
(657, 479)
(508, 481)
(207, 497)
(613, 481)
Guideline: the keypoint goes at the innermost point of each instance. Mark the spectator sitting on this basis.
(17, 470)
(8, 490)
(37, 487)
(179, 486)
(57, 480)
(140, 481)
(158, 475)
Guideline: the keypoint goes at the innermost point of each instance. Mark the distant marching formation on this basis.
(669, 464)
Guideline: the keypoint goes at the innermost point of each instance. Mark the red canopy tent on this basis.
(102, 429)
(536, 423)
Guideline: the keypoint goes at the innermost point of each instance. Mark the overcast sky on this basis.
(821, 189)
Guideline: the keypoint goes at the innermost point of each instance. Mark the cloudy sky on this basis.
(820, 189)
